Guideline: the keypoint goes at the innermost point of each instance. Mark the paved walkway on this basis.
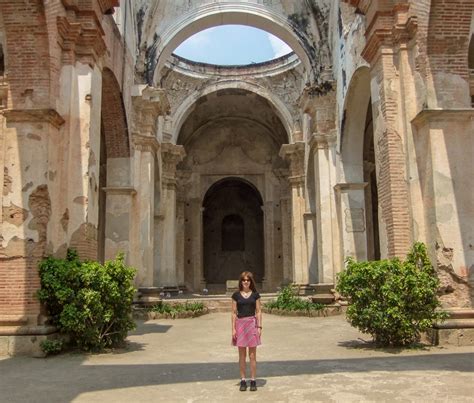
(191, 360)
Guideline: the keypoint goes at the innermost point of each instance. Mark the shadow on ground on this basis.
(72, 377)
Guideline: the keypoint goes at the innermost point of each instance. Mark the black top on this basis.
(245, 306)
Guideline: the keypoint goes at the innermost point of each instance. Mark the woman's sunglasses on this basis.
(245, 280)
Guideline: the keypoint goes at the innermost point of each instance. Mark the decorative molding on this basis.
(120, 190)
(344, 187)
(80, 36)
(323, 141)
(171, 156)
(295, 154)
(389, 28)
(310, 98)
(50, 116)
(145, 143)
(442, 115)
(147, 107)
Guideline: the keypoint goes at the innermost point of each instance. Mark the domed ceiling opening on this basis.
(232, 45)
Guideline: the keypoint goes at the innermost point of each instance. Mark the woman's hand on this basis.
(234, 334)
(259, 332)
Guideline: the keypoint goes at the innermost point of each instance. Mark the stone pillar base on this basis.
(25, 340)
(304, 289)
(149, 296)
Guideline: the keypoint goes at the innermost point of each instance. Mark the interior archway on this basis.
(232, 231)
(232, 133)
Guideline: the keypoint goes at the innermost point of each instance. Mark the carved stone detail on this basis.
(294, 154)
(146, 143)
(323, 141)
(146, 108)
(171, 155)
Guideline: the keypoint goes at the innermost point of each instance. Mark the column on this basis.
(294, 154)
(323, 147)
(29, 136)
(148, 105)
(444, 146)
(393, 98)
(143, 227)
(171, 155)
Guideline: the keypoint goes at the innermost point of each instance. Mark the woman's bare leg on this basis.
(242, 356)
(253, 362)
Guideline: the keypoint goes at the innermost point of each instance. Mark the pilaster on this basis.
(323, 150)
(390, 31)
(295, 155)
(171, 155)
(148, 104)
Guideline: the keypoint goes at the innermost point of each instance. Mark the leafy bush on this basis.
(51, 347)
(88, 301)
(394, 301)
(287, 300)
(175, 309)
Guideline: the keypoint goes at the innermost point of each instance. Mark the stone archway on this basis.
(232, 231)
(358, 190)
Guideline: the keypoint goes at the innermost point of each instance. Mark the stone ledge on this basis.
(453, 337)
(34, 115)
(26, 330)
(13, 320)
(22, 344)
(444, 115)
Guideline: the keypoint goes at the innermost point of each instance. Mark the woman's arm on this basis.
(234, 316)
(258, 314)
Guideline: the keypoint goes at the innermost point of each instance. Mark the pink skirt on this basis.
(247, 332)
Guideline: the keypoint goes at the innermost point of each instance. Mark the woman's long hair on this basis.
(249, 275)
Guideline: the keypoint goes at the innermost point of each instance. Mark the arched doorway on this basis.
(232, 231)
(371, 193)
(359, 169)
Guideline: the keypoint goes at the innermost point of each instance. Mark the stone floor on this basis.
(191, 360)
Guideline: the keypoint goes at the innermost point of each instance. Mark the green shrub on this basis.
(51, 347)
(175, 309)
(391, 300)
(287, 300)
(88, 301)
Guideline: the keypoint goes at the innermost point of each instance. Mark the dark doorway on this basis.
(233, 231)
(371, 194)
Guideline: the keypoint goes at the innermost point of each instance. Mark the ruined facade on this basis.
(357, 144)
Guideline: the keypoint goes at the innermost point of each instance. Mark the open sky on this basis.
(231, 45)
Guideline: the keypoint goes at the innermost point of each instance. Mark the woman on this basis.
(246, 326)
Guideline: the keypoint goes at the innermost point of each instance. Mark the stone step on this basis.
(323, 299)
(322, 288)
(461, 313)
(456, 324)
(457, 330)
